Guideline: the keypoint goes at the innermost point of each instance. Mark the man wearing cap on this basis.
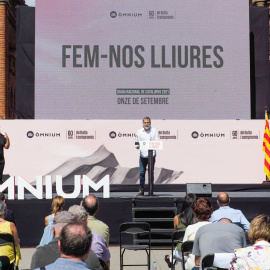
(50, 253)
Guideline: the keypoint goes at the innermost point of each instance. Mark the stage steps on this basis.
(160, 220)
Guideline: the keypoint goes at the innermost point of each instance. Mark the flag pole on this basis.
(266, 139)
(265, 112)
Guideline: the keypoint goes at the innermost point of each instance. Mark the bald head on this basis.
(223, 199)
(91, 204)
(225, 220)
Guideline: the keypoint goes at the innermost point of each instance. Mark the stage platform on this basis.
(30, 212)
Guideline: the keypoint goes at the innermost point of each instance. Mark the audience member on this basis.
(256, 256)
(220, 237)
(202, 209)
(186, 216)
(91, 205)
(9, 227)
(50, 253)
(225, 211)
(74, 244)
(58, 204)
(98, 243)
(9, 215)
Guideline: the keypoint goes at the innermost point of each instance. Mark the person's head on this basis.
(225, 220)
(3, 209)
(60, 220)
(75, 241)
(188, 201)
(91, 204)
(186, 215)
(146, 123)
(223, 199)
(79, 212)
(202, 209)
(2, 197)
(58, 204)
(259, 229)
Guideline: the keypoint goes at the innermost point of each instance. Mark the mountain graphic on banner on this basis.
(103, 162)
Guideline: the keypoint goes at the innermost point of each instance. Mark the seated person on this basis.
(202, 209)
(257, 256)
(48, 254)
(220, 237)
(186, 216)
(9, 215)
(9, 227)
(225, 211)
(91, 204)
(98, 245)
(74, 244)
(58, 204)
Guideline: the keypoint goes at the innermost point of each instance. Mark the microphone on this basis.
(136, 140)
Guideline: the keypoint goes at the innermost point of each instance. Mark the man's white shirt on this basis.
(147, 135)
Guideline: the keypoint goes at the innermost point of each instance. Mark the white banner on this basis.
(215, 152)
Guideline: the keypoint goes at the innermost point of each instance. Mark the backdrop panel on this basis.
(127, 59)
(194, 151)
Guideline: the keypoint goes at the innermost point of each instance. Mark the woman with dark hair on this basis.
(256, 256)
(202, 209)
(186, 216)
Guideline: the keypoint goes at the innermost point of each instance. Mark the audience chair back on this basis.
(5, 239)
(103, 265)
(207, 261)
(5, 263)
(186, 248)
(135, 229)
(177, 237)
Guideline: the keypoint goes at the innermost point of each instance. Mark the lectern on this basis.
(151, 146)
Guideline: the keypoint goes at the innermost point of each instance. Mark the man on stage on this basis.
(147, 133)
(4, 143)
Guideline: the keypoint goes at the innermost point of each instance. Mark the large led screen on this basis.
(173, 59)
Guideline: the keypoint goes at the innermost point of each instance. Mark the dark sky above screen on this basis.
(127, 59)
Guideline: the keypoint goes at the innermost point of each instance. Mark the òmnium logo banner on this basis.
(125, 14)
(196, 134)
(31, 134)
(114, 134)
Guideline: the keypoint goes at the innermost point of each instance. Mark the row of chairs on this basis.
(137, 228)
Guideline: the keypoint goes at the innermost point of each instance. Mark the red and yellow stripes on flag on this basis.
(266, 147)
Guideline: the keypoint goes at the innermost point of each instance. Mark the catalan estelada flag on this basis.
(266, 147)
